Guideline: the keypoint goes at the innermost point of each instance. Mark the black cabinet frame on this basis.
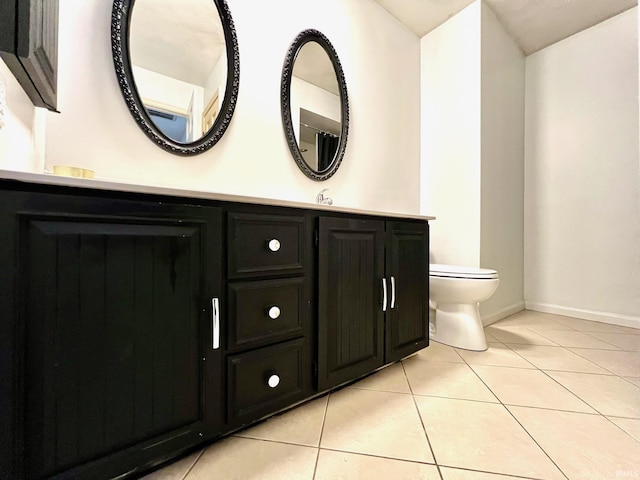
(29, 47)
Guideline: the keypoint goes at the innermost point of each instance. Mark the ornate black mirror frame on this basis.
(301, 39)
(120, 22)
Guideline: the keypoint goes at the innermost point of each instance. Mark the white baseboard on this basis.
(596, 316)
(502, 313)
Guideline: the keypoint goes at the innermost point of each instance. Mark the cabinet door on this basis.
(350, 317)
(407, 273)
(115, 366)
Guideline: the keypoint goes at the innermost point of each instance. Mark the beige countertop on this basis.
(99, 184)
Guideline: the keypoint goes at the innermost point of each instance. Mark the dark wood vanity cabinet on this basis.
(135, 327)
(407, 274)
(106, 328)
(373, 295)
(269, 357)
(350, 316)
(29, 47)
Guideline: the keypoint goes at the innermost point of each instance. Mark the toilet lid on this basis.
(455, 271)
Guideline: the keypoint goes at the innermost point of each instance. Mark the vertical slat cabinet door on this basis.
(350, 317)
(407, 273)
(119, 366)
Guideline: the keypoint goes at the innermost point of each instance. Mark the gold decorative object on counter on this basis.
(69, 171)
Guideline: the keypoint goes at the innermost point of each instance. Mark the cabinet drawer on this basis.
(262, 311)
(261, 244)
(264, 380)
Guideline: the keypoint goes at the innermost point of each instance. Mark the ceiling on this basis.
(533, 24)
(314, 66)
(181, 39)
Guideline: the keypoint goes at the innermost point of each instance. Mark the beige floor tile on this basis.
(629, 425)
(626, 364)
(301, 425)
(497, 354)
(176, 470)
(457, 474)
(445, 379)
(532, 320)
(576, 339)
(389, 379)
(517, 335)
(557, 358)
(625, 341)
(589, 326)
(439, 352)
(532, 388)
(583, 446)
(608, 394)
(239, 458)
(350, 466)
(490, 338)
(375, 423)
(482, 436)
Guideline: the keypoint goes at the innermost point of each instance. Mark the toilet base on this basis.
(458, 325)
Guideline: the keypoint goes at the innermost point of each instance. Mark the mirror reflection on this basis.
(314, 105)
(179, 64)
(316, 109)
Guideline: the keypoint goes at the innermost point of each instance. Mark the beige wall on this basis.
(582, 175)
(502, 173)
(450, 137)
(472, 157)
(22, 133)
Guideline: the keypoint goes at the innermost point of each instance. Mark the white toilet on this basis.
(455, 293)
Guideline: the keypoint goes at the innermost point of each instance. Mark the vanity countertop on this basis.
(118, 186)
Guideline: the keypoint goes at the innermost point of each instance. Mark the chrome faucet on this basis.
(322, 200)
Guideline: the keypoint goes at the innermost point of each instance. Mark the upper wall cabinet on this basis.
(178, 67)
(29, 47)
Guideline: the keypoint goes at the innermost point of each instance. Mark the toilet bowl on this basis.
(455, 293)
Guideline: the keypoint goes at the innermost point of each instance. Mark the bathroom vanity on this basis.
(136, 326)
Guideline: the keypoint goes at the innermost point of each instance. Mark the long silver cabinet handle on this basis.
(393, 293)
(215, 316)
(384, 294)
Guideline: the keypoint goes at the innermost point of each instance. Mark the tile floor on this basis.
(552, 398)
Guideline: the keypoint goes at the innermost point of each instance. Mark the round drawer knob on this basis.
(274, 245)
(273, 381)
(274, 312)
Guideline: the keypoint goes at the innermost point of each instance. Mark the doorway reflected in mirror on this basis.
(314, 103)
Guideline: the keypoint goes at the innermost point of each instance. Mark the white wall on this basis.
(450, 137)
(582, 175)
(472, 102)
(22, 136)
(380, 58)
(502, 171)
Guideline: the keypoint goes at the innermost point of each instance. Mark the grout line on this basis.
(586, 348)
(378, 456)
(324, 419)
(610, 343)
(424, 429)
(186, 474)
(506, 475)
(475, 400)
(521, 426)
(597, 364)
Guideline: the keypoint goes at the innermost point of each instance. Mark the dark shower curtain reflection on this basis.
(327, 145)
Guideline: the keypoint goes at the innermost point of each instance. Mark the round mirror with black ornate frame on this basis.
(178, 68)
(315, 105)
